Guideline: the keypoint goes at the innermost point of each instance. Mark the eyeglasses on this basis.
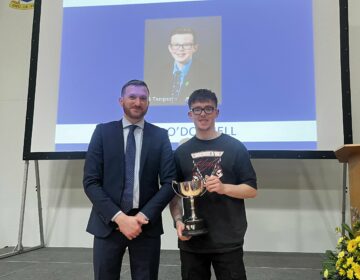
(187, 46)
(198, 110)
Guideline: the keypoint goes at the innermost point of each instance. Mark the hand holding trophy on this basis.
(189, 190)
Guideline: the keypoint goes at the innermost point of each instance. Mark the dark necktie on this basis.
(127, 197)
(176, 85)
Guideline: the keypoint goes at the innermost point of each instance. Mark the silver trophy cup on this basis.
(190, 190)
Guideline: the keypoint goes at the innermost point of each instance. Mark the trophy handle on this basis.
(175, 190)
(204, 189)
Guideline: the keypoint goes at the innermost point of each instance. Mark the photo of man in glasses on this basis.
(175, 81)
(182, 47)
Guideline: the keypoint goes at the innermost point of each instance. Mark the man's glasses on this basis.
(187, 46)
(198, 110)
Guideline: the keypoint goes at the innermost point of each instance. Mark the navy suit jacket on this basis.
(104, 176)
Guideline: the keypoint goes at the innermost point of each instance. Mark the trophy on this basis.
(190, 190)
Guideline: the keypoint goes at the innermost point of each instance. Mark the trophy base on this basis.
(194, 232)
(194, 228)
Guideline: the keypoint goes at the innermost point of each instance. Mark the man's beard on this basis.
(139, 115)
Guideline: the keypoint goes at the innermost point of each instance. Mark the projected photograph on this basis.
(257, 56)
(182, 55)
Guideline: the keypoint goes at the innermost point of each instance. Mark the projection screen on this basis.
(275, 65)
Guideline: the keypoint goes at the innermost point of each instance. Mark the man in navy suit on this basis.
(139, 228)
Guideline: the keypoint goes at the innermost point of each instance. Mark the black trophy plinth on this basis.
(194, 227)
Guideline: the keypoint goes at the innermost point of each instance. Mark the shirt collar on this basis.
(126, 123)
(185, 69)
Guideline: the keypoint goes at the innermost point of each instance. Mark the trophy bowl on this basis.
(189, 190)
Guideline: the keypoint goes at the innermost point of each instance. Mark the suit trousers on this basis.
(144, 256)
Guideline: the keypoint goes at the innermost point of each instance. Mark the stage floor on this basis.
(76, 263)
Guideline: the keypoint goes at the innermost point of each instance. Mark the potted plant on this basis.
(344, 262)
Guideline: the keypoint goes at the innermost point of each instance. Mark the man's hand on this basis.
(141, 218)
(213, 184)
(179, 229)
(130, 226)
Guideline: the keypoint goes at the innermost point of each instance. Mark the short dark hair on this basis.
(137, 83)
(201, 95)
(183, 30)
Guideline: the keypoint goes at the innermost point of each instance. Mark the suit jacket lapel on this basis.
(119, 138)
(119, 148)
(146, 142)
